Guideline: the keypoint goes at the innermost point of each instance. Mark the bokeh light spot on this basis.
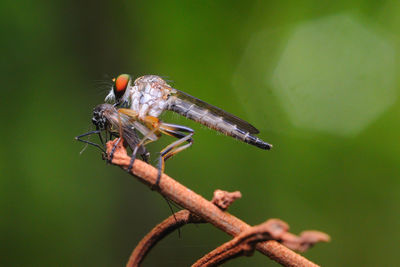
(335, 75)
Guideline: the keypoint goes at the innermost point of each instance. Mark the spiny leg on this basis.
(133, 158)
(141, 143)
(171, 150)
(177, 131)
(113, 149)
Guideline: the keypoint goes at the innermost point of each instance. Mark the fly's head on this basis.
(118, 92)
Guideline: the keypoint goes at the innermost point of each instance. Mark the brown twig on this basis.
(305, 240)
(221, 198)
(188, 199)
(167, 226)
(244, 244)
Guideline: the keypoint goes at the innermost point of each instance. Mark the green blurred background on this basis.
(319, 79)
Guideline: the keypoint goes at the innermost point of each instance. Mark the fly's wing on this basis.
(143, 130)
(241, 124)
(128, 117)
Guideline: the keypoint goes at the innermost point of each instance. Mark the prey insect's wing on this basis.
(125, 125)
(244, 125)
(130, 136)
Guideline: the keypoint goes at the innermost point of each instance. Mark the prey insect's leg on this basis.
(78, 138)
(101, 139)
(177, 131)
(146, 156)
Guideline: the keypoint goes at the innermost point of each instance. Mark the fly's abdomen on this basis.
(214, 121)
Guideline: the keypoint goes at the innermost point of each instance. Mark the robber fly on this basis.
(149, 96)
(142, 101)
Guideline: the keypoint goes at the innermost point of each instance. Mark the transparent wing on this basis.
(129, 121)
(139, 127)
(244, 125)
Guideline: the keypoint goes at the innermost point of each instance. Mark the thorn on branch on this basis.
(223, 199)
(279, 231)
(305, 240)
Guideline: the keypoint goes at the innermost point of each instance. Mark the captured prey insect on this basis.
(149, 96)
(106, 118)
(121, 122)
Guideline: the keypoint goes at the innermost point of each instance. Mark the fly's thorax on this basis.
(149, 95)
(153, 85)
(150, 79)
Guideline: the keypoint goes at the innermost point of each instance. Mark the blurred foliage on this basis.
(62, 208)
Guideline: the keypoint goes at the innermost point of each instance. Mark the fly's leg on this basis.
(171, 150)
(113, 149)
(183, 133)
(133, 158)
(151, 122)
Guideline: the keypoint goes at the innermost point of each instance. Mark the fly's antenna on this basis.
(84, 148)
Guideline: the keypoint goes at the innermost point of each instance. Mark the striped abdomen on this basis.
(214, 121)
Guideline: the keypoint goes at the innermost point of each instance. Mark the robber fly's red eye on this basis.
(120, 84)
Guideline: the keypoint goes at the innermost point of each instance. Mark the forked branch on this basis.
(221, 198)
(203, 208)
(167, 226)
